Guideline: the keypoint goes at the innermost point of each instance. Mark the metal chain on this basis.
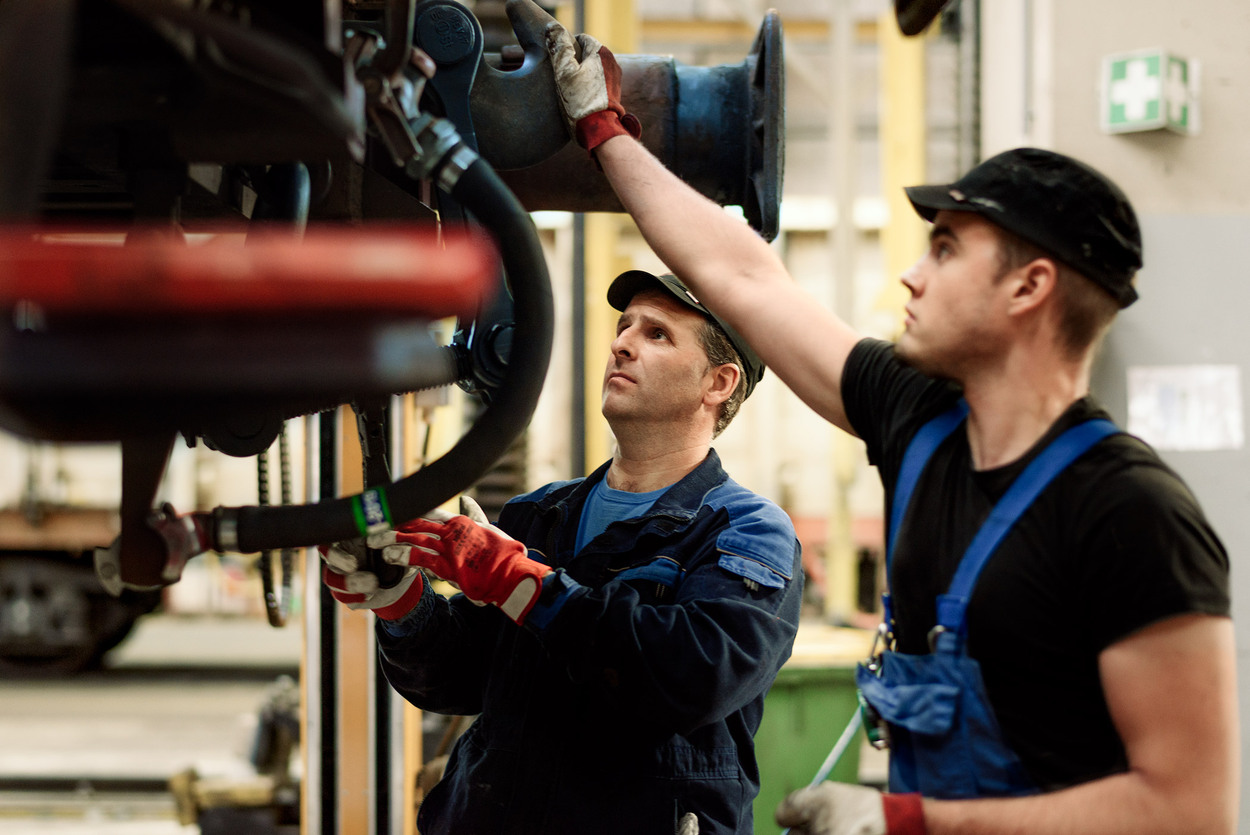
(277, 607)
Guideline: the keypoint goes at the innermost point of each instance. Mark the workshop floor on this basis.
(91, 754)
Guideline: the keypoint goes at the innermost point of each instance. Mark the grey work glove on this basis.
(589, 88)
(831, 808)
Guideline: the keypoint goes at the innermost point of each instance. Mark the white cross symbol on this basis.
(1136, 90)
(1178, 92)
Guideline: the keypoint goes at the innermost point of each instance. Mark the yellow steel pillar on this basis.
(903, 140)
(358, 786)
(417, 428)
(840, 564)
(355, 668)
(614, 23)
(431, 424)
(603, 263)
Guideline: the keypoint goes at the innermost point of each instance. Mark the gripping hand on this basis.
(361, 589)
(831, 808)
(589, 89)
(486, 564)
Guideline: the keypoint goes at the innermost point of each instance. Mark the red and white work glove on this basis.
(589, 89)
(483, 562)
(361, 589)
(831, 808)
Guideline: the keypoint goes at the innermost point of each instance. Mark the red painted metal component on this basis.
(345, 271)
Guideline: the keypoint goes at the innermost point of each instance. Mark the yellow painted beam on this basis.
(604, 262)
(414, 754)
(903, 141)
(413, 426)
(431, 424)
(355, 666)
(698, 32)
(615, 23)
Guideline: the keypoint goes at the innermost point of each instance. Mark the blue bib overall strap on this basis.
(923, 444)
(945, 740)
(1040, 472)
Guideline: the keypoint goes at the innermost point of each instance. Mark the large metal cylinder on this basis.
(719, 128)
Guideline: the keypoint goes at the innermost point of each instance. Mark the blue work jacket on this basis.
(632, 694)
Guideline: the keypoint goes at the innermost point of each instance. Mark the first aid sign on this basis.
(1148, 90)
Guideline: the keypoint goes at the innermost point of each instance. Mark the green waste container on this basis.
(805, 713)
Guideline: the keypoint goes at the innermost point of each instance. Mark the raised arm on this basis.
(735, 273)
(729, 266)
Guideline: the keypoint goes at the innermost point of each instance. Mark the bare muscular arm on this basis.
(1172, 692)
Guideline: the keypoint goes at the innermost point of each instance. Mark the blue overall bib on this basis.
(944, 739)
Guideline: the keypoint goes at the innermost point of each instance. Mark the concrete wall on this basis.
(1164, 172)
(1041, 86)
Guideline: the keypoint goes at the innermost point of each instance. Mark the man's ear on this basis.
(1034, 283)
(724, 381)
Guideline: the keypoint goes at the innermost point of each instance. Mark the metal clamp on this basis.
(184, 537)
(436, 140)
(875, 727)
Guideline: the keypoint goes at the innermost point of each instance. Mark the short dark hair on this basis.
(720, 351)
(1088, 310)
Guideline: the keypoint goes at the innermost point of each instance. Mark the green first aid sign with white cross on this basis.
(1148, 90)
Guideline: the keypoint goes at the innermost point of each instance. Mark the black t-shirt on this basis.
(1116, 542)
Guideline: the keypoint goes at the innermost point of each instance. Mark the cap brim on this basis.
(929, 200)
(629, 284)
(632, 282)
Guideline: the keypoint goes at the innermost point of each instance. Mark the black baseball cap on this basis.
(632, 282)
(1062, 205)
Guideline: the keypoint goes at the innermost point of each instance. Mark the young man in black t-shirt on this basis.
(1116, 543)
(1086, 682)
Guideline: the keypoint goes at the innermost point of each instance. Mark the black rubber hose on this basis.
(479, 190)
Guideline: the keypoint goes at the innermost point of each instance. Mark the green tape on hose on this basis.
(372, 512)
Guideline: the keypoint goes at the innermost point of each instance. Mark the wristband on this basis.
(597, 128)
(402, 606)
(416, 619)
(904, 814)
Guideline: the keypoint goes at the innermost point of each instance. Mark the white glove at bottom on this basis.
(844, 809)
